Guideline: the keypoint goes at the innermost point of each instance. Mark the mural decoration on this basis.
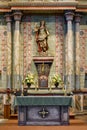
(59, 32)
(77, 103)
(85, 102)
(42, 36)
(83, 66)
(27, 45)
(3, 55)
(83, 38)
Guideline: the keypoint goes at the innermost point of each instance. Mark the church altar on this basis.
(43, 110)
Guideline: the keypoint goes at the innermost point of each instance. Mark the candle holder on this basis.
(36, 86)
(22, 91)
(65, 92)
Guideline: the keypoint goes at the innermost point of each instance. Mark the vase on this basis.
(56, 84)
(28, 84)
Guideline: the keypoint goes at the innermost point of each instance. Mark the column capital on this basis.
(8, 17)
(17, 15)
(69, 15)
(77, 18)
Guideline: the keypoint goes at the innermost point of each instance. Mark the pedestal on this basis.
(7, 111)
(43, 65)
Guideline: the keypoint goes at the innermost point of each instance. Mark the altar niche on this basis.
(43, 66)
(43, 72)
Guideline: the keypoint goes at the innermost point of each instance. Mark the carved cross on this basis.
(43, 113)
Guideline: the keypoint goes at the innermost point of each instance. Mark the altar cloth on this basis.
(43, 100)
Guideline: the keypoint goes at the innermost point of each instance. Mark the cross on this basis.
(43, 113)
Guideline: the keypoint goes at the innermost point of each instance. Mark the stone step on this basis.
(15, 116)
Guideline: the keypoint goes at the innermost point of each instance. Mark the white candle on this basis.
(22, 88)
(63, 78)
(65, 87)
(4, 98)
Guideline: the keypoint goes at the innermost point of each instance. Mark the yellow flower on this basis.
(28, 79)
(56, 79)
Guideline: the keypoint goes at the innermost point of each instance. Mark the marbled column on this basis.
(77, 38)
(16, 46)
(70, 51)
(9, 48)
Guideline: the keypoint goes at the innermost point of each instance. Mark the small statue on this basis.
(42, 37)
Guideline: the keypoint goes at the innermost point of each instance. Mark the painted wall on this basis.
(3, 51)
(55, 26)
(28, 46)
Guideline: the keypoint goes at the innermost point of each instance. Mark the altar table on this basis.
(43, 110)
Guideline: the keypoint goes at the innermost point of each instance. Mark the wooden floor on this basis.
(79, 123)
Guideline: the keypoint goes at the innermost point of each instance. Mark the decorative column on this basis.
(9, 48)
(77, 34)
(70, 52)
(16, 51)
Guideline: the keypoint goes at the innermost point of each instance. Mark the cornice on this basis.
(82, 7)
(58, 3)
(4, 5)
(78, 6)
(44, 6)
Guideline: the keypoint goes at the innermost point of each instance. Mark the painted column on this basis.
(9, 48)
(70, 51)
(77, 34)
(16, 51)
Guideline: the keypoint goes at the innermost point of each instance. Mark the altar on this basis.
(43, 110)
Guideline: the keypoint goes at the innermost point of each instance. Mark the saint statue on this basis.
(42, 37)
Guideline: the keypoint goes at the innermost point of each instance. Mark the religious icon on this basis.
(42, 37)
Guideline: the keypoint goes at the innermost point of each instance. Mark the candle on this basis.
(65, 87)
(22, 88)
(63, 78)
(4, 99)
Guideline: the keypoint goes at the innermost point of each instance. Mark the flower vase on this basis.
(56, 84)
(28, 84)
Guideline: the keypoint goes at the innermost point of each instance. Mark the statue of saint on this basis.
(42, 37)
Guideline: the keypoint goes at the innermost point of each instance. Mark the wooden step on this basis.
(72, 116)
(13, 116)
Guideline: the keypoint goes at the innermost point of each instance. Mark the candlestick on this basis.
(65, 91)
(63, 78)
(21, 90)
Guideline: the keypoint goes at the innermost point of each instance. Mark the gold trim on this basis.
(42, 8)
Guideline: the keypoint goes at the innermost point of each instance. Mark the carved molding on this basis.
(4, 5)
(35, 6)
(5, 0)
(43, 59)
(9, 5)
(58, 3)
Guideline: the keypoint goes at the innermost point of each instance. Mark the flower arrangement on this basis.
(29, 79)
(56, 79)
